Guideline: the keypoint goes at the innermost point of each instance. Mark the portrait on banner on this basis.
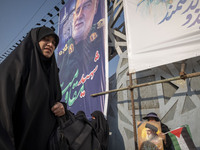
(82, 55)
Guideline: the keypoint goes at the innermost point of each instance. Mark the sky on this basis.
(17, 17)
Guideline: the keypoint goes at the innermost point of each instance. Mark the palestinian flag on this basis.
(182, 139)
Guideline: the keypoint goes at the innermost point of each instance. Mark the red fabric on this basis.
(177, 132)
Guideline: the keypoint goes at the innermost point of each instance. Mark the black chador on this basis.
(29, 86)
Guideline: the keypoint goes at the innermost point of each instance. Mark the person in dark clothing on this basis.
(101, 127)
(81, 113)
(166, 139)
(30, 93)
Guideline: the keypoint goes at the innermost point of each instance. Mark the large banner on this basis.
(82, 55)
(161, 32)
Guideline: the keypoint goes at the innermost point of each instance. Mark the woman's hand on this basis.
(162, 135)
(58, 109)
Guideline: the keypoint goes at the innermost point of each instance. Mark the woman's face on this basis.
(151, 119)
(47, 45)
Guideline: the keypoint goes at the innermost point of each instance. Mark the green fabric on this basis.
(174, 141)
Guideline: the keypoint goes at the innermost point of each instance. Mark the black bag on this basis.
(57, 141)
(74, 133)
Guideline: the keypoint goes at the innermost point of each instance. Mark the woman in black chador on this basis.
(101, 127)
(30, 93)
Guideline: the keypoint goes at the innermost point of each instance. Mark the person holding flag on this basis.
(151, 117)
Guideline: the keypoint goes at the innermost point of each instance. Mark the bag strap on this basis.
(63, 119)
(81, 138)
(70, 115)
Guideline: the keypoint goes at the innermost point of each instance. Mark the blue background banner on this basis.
(81, 55)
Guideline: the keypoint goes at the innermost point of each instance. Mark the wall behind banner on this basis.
(176, 102)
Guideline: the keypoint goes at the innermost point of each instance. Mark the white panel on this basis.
(161, 32)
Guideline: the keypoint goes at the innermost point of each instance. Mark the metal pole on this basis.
(133, 110)
(149, 83)
(182, 72)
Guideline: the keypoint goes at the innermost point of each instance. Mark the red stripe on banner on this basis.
(177, 132)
